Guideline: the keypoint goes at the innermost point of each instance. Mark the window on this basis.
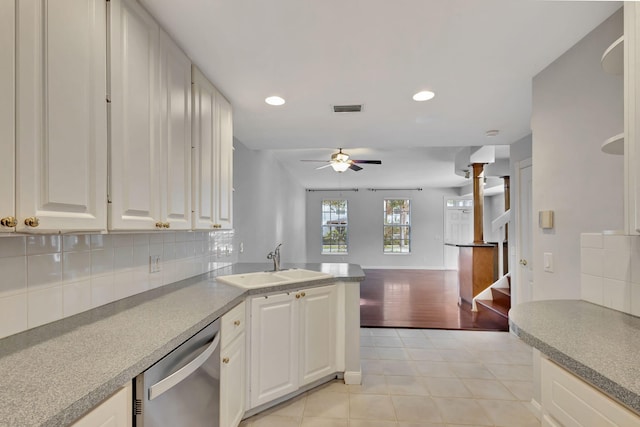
(335, 226)
(397, 226)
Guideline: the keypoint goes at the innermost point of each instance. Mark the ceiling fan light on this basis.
(274, 100)
(340, 166)
(424, 95)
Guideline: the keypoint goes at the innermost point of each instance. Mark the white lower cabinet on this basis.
(113, 412)
(233, 367)
(293, 341)
(567, 401)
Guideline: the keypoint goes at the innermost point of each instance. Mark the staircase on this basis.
(501, 302)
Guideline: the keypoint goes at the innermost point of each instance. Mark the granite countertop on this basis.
(595, 343)
(53, 374)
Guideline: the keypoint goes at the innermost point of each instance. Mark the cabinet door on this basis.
(175, 79)
(113, 412)
(204, 139)
(318, 324)
(232, 382)
(224, 163)
(7, 110)
(61, 114)
(274, 347)
(135, 118)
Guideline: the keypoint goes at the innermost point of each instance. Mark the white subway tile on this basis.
(14, 275)
(591, 289)
(122, 240)
(140, 239)
(13, 314)
(123, 284)
(617, 242)
(591, 240)
(13, 246)
(76, 266)
(44, 306)
(76, 297)
(169, 252)
(617, 265)
(182, 236)
(156, 249)
(635, 299)
(76, 242)
(155, 238)
(169, 236)
(141, 257)
(102, 261)
(43, 244)
(44, 271)
(140, 280)
(617, 295)
(635, 267)
(591, 261)
(123, 258)
(101, 241)
(181, 250)
(102, 290)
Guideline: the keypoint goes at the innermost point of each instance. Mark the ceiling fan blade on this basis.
(323, 161)
(322, 167)
(368, 162)
(355, 167)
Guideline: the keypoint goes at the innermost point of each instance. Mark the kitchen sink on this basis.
(271, 278)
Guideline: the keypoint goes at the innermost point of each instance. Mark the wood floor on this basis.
(419, 299)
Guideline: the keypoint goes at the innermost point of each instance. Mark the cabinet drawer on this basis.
(232, 324)
(574, 403)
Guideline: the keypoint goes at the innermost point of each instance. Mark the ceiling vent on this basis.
(356, 108)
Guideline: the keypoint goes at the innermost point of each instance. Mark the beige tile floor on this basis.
(421, 378)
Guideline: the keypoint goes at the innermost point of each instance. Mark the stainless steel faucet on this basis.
(275, 256)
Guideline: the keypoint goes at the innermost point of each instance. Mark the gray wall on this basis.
(269, 207)
(576, 106)
(365, 228)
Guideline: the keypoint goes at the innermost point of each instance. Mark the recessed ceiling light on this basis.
(492, 132)
(424, 95)
(274, 100)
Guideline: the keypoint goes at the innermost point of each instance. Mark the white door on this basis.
(232, 382)
(458, 228)
(224, 163)
(318, 323)
(7, 114)
(523, 291)
(175, 80)
(135, 118)
(274, 347)
(204, 138)
(61, 115)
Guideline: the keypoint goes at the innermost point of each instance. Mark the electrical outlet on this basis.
(154, 264)
(241, 248)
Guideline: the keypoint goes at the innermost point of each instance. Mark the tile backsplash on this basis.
(44, 278)
(610, 269)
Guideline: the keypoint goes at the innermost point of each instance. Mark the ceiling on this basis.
(478, 56)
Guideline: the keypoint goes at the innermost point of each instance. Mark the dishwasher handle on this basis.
(167, 383)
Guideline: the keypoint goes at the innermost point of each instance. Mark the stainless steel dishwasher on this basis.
(183, 388)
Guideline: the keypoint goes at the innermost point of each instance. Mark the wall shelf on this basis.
(613, 58)
(614, 145)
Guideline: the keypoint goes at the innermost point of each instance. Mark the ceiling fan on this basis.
(340, 162)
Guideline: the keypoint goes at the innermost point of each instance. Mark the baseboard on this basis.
(536, 408)
(353, 377)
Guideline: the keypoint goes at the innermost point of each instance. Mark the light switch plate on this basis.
(548, 262)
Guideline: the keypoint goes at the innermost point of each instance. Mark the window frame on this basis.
(324, 226)
(386, 225)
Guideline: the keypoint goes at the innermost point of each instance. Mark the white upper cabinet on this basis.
(212, 141)
(61, 143)
(7, 115)
(135, 116)
(175, 78)
(150, 171)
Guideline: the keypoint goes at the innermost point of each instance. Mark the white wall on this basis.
(269, 207)
(576, 106)
(365, 228)
(493, 208)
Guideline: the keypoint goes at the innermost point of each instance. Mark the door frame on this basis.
(521, 291)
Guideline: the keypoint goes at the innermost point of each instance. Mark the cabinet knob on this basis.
(225, 360)
(523, 262)
(297, 296)
(303, 294)
(166, 225)
(237, 323)
(32, 221)
(9, 221)
(159, 225)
